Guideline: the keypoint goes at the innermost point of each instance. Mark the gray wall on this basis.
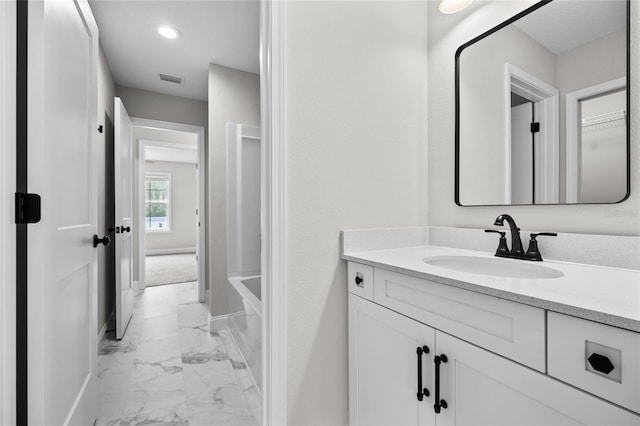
(357, 141)
(106, 93)
(234, 96)
(446, 34)
(158, 106)
(183, 207)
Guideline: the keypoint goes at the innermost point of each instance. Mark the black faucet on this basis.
(516, 242)
(516, 251)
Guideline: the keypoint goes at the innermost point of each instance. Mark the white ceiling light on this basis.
(453, 6)
(169, 32)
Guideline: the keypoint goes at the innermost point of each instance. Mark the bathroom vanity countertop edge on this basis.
(602, 294)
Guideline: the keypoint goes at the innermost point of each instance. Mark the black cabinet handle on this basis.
(422, 392)
(440, 403)
(106, 240)
(601, 363)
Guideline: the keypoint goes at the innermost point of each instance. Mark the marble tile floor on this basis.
(169, 370)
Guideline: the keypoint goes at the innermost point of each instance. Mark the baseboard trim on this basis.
(218, 323)
(103, 330)
(248, 370)
(160, 252)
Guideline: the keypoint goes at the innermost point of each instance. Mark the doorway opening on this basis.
(169, 204)
(596, 143)
(531, 139)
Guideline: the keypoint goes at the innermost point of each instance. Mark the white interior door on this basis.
(62, 262)
(521, 154)
(124, 212)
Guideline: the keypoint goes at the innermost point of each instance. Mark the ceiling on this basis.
(223, 32)
(563, 25)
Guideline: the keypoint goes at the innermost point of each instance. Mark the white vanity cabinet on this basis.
(478, 386)
(383, 367)
(482, 388)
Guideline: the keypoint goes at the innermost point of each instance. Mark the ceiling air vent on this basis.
(171, 79)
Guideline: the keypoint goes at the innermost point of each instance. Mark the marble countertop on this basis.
(597, 293)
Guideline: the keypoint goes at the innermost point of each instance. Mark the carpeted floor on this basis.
(170, 269)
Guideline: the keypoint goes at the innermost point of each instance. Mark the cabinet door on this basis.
(383, 367)
(482, 388)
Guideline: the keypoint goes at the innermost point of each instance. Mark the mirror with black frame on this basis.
(542, 107)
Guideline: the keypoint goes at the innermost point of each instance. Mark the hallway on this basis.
(169, 370)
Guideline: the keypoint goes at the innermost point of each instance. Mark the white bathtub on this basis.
(245, 322)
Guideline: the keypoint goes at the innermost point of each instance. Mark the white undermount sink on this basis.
(495, 266)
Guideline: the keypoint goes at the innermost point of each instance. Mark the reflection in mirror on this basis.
(542, 107)
(596, 143)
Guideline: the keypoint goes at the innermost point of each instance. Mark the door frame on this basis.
(571, 127)
(546, 100)
(273, 111)
(8, 125)
(202, 191)
(273, 79)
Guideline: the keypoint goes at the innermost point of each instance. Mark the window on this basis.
(157, 200)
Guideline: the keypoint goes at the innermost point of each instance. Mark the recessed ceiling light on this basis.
(169, 32)
(453, 6)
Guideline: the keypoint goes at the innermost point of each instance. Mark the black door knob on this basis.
(126, 229)
(106, 240)
(359, 280)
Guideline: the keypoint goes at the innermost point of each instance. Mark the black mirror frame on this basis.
(457, 107)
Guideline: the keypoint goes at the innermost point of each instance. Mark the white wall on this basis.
(446, 34)
(244, 210)
(106, 93)
(184, 199)
(234, 96)
(357, 139)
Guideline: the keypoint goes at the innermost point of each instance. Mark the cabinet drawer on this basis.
(507, 328)
(600, 359)
(360, 280)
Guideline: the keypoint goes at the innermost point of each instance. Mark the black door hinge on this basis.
(100, 128)
(27, 208)
(535, 127)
